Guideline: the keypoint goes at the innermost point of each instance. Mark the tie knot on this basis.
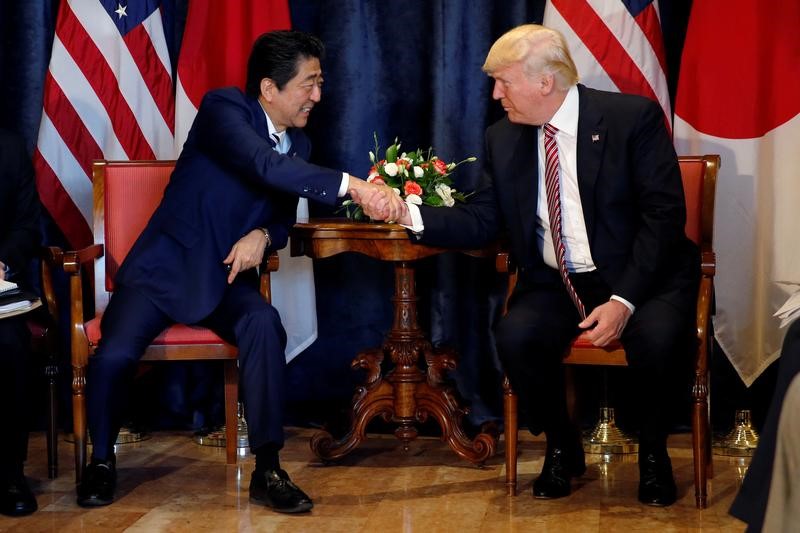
(275, 138)
(550, 130)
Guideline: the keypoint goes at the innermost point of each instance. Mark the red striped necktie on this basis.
(553, 186)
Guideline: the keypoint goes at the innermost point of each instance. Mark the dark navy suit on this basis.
(228, 181)
(633, 204)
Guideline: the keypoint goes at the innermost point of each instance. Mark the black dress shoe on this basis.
(16, 498)
(656, 484)
(274, 489)
(560, 466)
(97, 484)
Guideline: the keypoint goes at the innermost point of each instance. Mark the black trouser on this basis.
(14, 360)
(542, 321)
(243, 318)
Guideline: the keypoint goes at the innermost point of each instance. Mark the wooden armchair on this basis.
(699, 175)
(126, 193)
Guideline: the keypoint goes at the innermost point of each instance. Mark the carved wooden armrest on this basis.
(268, 265)
(73, 262)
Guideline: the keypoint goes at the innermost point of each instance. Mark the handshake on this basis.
(379, 201)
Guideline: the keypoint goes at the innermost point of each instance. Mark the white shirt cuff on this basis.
(343, 185)
(625, 302)
(416, 219)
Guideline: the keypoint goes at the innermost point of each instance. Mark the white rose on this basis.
(391, 169)
(418, 172)
(414, 199)
(446, 194)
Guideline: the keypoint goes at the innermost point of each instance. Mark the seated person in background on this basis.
(769, 498)
(232, 197)
(19, 237)
(586, 186)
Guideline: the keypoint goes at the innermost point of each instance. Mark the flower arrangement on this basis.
(419, 177)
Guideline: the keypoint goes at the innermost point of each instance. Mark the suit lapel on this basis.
(590, 146)
(298, 148)
(524, 169)
(259, 117)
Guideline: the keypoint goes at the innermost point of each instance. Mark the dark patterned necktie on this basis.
(553, 188)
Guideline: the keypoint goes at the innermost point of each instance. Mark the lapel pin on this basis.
(595, 137)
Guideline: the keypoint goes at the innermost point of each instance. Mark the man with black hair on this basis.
(232, 197)
(19, 236)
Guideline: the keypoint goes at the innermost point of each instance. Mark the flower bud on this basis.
(414, 199)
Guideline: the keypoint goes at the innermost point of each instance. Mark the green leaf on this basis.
(391, 153)
(433, 199)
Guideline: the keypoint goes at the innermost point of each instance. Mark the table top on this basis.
(321, 238)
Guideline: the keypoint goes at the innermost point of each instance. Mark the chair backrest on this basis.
(126, 193)
(699, 175)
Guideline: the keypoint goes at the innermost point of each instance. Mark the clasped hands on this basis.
(379, 202)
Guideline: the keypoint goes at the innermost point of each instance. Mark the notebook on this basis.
(6, 285)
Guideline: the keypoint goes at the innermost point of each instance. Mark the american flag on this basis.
(108, 94)
(617, 45)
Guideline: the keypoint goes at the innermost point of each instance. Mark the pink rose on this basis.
(440, 166)
(412, 187)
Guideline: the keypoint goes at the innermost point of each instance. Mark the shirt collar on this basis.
(271, 128)
(566, 118)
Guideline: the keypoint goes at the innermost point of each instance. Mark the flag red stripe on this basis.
(648, 21)
(605, 47)
(217, 41)
(155, 75)
(59, 204)
(69, 125)
(99, 75)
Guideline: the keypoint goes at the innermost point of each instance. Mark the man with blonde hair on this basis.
(586, 186)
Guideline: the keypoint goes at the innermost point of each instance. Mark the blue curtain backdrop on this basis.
(399, 69)
(410, 70)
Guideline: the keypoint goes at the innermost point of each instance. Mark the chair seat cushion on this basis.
(173, 335)
(582, 341)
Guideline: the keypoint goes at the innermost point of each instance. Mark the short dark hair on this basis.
(276, 54)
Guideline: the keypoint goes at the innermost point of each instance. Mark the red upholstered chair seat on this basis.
(176, 334)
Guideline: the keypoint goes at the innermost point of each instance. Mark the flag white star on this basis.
(121, 11)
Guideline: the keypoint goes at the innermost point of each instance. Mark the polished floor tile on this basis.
(168, 483)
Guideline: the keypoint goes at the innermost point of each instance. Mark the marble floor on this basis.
(168, 483)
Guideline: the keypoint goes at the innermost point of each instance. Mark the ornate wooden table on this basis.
(405, 395)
